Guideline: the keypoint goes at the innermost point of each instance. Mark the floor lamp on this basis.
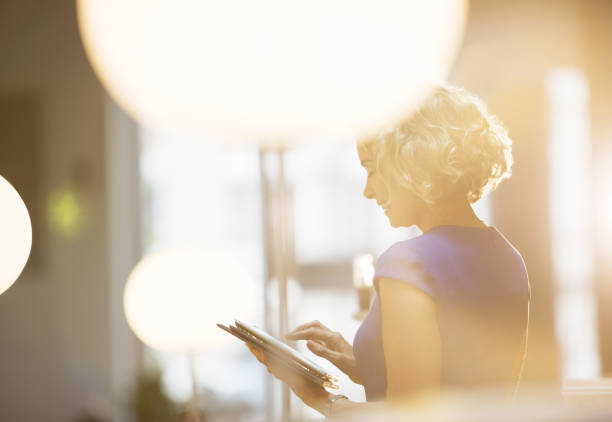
(279, 256)
(174, 298)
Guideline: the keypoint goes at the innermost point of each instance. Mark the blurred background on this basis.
(103, 192)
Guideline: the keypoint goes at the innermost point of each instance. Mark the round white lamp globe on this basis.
(173, 299)
(270, 69)
(15, 235)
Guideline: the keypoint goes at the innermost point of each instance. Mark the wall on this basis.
(55, 322)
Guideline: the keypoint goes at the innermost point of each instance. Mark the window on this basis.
(570, 216)
(198, 193)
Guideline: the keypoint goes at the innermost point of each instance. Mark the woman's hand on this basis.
(329, 345)
(311, 394)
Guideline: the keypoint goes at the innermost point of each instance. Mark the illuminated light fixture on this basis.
(363, 281)
(65, 212)
(15, 235)
(173, 299)
(270, 69)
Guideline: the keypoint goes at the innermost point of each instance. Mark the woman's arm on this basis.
(411, 340)
(411, 345)
(329, 345)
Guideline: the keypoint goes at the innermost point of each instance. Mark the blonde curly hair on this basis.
(450, 146)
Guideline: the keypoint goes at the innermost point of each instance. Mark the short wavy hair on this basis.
(450, 146)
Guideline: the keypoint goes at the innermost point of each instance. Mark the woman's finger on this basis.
(311, 333)
(319, 350)
(311, 324)
(257, 353)
(281, 371)
(273, 366)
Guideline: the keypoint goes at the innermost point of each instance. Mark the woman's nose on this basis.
(368, 192)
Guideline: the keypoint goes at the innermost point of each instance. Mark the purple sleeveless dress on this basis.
(480, 286)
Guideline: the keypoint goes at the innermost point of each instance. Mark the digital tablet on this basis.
(282, 352)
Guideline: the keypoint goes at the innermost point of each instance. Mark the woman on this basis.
(451, 309)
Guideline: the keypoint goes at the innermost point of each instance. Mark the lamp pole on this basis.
(193, 412)
(278, 250)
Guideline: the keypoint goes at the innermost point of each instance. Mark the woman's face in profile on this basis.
(402, 210)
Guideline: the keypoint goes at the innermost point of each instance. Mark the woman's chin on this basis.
(395, 223)
(392, 220)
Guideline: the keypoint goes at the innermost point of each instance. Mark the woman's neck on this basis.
(454, 212)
